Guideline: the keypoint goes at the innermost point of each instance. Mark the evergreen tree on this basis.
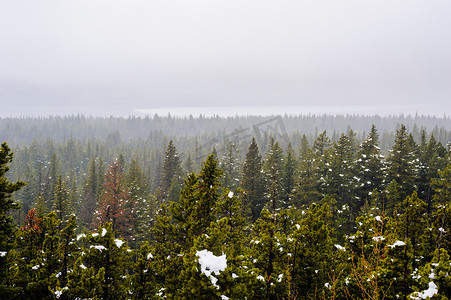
(273, 171)
(369, 168)
(90, 195)
(252, 182)
(61, 205)
(306, 184)
(7, 204)
(230, 166)
(171, 171)
(108, 256)
(50, 181)
(311, 246)
(322, 157)
(114, 206)
(288, 176)
(138, 187)
(402, 163)
(28, 247)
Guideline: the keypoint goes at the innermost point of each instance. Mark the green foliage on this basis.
(252, 182)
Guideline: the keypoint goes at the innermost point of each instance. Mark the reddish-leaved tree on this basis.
(115, 206)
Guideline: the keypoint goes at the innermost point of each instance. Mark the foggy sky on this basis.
(112, 57)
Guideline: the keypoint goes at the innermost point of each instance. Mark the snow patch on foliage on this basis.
(149, 256)
(104, 231)
(429, 293)
(230, 194)
(118, 242)
(378, 218)
(3, 253)
(98, 247)
(398, 243)
(211, 263)
(378, 239)
(81, 236)
(339, 247)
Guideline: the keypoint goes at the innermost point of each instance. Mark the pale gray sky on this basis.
(116, 56)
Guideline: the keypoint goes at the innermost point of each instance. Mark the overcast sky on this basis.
(117, 56)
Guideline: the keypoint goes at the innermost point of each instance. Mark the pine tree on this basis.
(230, 166)
(273, 171)
(50, 181)
(114, 206)
(402, 163)
(7, 204)
(311, 247)
(406, 227)
(61, 205)
(369, 168)
(322, 156)
(108, 256)
(289, 169)
(143, 210)
(306, 185)
(252, 182)
(90, 195)
(442, 210)
(171, 171)
(28, 247)
(68, 250)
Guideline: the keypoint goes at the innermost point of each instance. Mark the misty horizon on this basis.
(115, 58)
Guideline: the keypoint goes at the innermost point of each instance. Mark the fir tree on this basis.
(230, 166)
(108, 256)
(369, 168)
(252, 182)
(90, 195)
(402, 163)
(288, 176)
(171, 171)
(306, 184)
(273, 171)
(137, 185)
(7, 204)
(61, 205)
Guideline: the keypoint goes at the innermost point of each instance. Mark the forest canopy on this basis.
(313, 207)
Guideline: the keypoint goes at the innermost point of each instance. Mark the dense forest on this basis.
(306, 207)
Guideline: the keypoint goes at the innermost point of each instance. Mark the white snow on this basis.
(35, 267)
(339, 247)
(211, 263)
(81, 236)
(82, 266)
(378, 238)
(149, 256)
(95, 234)
(378, 218)
(98, 247)
(430, 292)
(442, 230)
(260, 277)
(398, 243)
(118, 242)
(104, 231)
(223, 297)
(230, 194)
(3, 253)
